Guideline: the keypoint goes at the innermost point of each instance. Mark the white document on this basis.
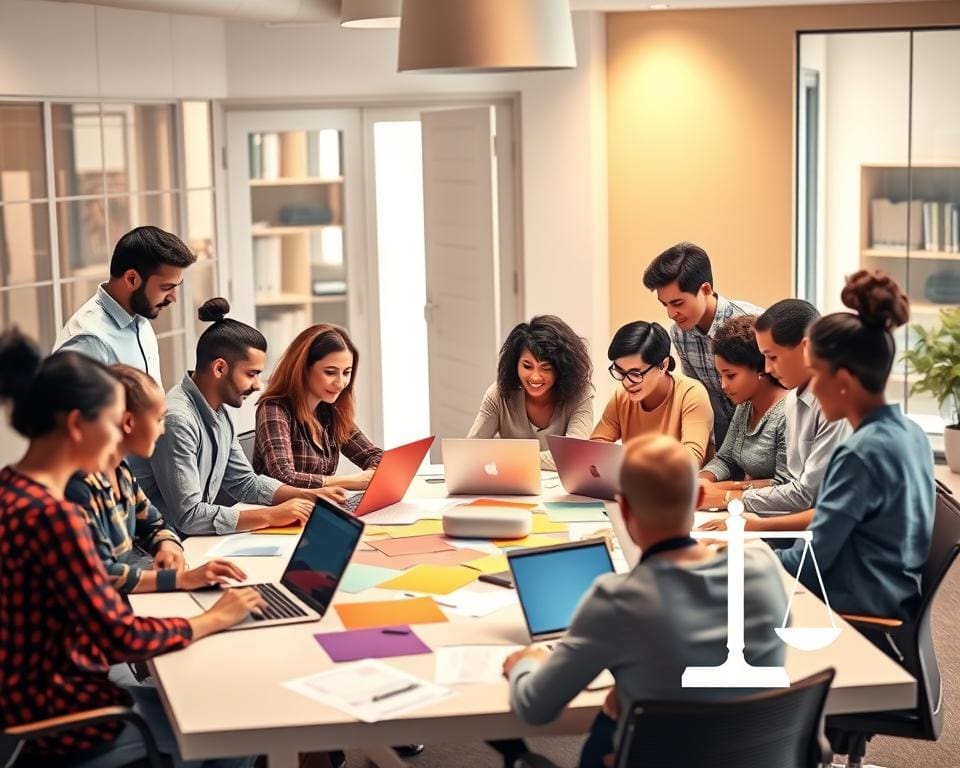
(465, 602)
(369, 690)
(248, 545)
(458, 664)
(408, 512)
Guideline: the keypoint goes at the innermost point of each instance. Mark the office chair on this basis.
(247, 439)
(781, 727)
(911, 645)
(12, 740)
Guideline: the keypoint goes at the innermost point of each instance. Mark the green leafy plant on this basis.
(935, 358)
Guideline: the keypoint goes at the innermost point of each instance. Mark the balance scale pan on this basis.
(808, 638)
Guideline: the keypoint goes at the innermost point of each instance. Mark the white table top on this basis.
(225, 697)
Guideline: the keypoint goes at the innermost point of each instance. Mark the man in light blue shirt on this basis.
(113, 325)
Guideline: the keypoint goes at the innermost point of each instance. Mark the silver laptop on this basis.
(496, 467)
(311, 577)
(587, 467)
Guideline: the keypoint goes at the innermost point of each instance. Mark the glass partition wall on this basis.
(878, 176)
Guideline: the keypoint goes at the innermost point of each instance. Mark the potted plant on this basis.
(935, 358)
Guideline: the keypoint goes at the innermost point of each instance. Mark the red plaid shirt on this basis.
(284, 450)
(61, 623)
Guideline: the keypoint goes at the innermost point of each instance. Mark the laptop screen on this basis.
(320, 559)
(550, 582)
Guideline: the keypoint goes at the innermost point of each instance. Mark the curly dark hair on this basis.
(550, 340)
(736, 342)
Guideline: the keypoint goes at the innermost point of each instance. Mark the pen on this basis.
(397, 692)
(395, 631)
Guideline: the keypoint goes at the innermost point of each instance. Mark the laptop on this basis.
(587, 467)
(391, 478)
(550, 582)
(494, 467)
(310, 579)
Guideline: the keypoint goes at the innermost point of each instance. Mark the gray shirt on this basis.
(508, 418)
(759, 453)
(197, 455)
(105, 331)
(647, 626)
(811, 440)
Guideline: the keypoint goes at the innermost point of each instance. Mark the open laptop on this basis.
(550, 582)
(495, 467)
(310, 579)
(391, 478)
(587, 467)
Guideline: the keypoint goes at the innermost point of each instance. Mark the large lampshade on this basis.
(485, 35)
(370, 14)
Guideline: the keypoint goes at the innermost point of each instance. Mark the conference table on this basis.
(225, 694)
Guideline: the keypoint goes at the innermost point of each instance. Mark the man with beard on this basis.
(112, 327)
(199, 454)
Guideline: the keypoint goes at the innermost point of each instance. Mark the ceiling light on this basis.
(370, 14)
(485, 36)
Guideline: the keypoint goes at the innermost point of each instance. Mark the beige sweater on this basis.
(686, 415)
(508, 418)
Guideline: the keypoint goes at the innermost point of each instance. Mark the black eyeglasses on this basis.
(633, 374)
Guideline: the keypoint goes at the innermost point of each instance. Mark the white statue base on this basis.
(735, 673)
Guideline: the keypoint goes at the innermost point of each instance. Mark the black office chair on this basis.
(910, 644)
(247, 439)
(781, 727)
(12, 739)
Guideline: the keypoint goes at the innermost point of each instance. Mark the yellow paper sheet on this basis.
(543, 524)
(533, 540)
(498, 503)
(419, 528)
(489, 564)
(287, 530)
(432, 579)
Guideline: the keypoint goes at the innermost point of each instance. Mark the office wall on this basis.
(700, 139)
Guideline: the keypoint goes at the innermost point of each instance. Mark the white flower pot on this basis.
(951, 447)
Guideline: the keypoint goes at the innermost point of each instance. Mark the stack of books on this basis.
(941, 226)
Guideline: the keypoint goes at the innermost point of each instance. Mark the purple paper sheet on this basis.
(376, 643)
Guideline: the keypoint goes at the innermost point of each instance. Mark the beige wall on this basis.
(700, 132)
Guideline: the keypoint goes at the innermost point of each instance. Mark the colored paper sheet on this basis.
(419, 528)
(360, 577)
(533, 540)
(498, 503)
(576, 511)
(402, 562)
(287, 530)
(489, 564)
(377, 643)
(388, 613)
(543, 524)
(433, 579)
(413, 545)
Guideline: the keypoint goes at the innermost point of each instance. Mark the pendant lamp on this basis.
(485, 36)
(370, 14)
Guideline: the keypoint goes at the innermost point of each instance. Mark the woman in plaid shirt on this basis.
(63, 623)
(305, 418)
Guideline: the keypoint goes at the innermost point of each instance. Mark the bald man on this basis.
(668, 613)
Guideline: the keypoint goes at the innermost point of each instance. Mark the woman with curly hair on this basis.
(542, 387)
(754, 451)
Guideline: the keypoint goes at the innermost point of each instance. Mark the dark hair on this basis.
(226, 338)
(685, 264)
(41, 389)
(787, 321)
(649, 340)
(140, 388)
(550, 340)
(736, 342)
(862, 343)
(144, 249)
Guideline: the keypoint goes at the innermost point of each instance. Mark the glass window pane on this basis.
(201, 224)
(82, 236)
(139, 152)
(74, 294)
(23, 170)
(77, 149)
(203, 286)
(31, 310)
(24, 244)
(197, 144)
(173, 361)
(129, 211)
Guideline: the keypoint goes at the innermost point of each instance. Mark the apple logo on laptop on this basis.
(594, 471)
(491, 469)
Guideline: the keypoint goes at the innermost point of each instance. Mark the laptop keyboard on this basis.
(279, 606)
(352, 502)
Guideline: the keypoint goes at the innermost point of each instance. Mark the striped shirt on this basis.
(696, 359)
(122, 525)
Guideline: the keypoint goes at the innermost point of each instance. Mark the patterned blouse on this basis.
(759, 453)
(284, 450)
(122, 526)
(63, 625)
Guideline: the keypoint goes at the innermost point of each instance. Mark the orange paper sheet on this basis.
(498, 503)
(385, 613)
(533, 540)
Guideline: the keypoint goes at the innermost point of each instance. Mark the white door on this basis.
(462, 263)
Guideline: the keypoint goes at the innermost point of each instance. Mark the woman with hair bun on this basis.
(653, 397)
(874, 513)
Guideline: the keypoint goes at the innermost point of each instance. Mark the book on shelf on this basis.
(268, 265)
(329, 287)
(279, 327)
(270, 156)
(891, 222)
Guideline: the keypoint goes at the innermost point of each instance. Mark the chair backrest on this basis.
(781, 727)
(247, 440)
